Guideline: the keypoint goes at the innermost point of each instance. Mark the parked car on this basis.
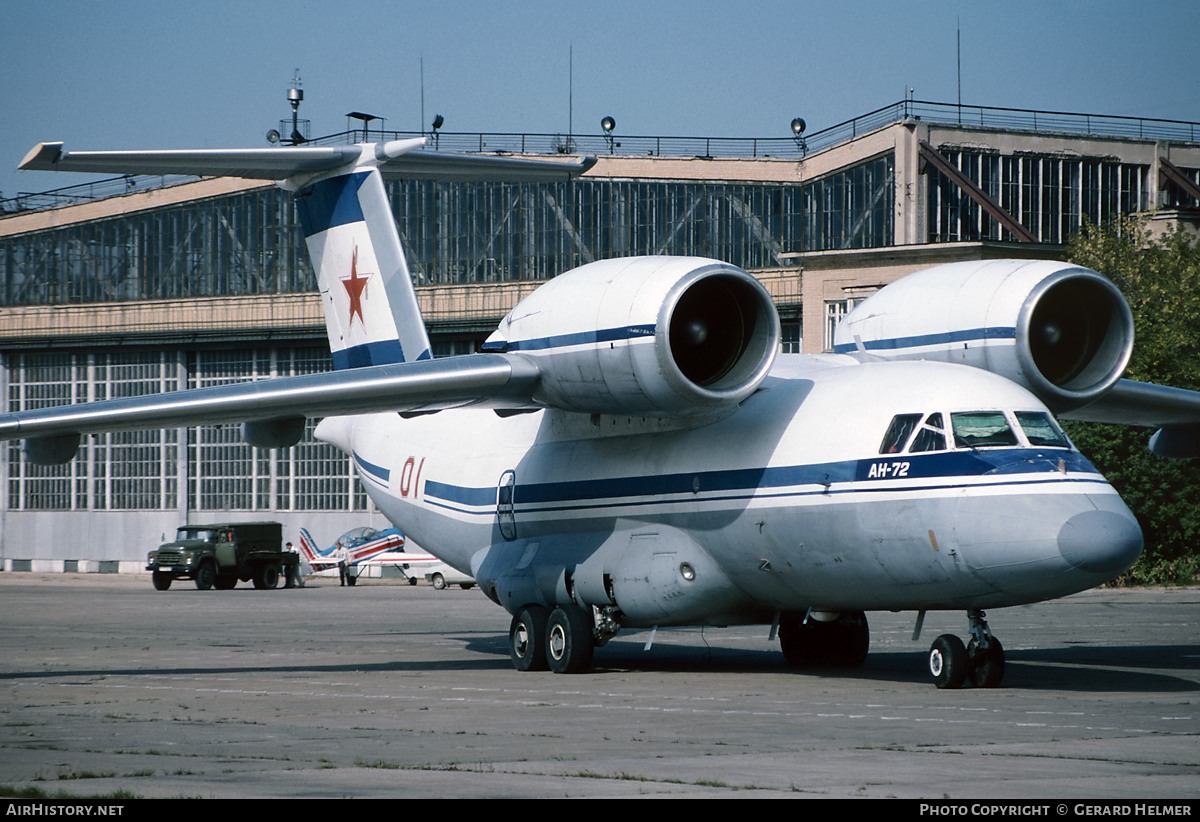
(442, 576)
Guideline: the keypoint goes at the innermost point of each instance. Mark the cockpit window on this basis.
(898, 433)
(981, 429)
(931, 437)
(1040, 429)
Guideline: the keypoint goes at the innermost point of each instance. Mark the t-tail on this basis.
(371, 310)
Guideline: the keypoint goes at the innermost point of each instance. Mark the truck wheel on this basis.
(438, 581)
(161, 581)
(266, 576)
(206, 575)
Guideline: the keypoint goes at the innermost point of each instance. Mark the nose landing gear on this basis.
(981, 661)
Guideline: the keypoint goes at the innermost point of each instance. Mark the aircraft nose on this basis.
(1101, 542)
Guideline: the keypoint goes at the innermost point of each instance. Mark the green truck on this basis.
(217, 556)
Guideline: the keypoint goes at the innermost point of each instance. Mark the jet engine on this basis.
(650, 336)
(1063, 332)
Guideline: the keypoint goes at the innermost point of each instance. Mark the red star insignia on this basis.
(355, 285)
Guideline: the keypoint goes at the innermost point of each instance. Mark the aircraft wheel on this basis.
(225, 582)
(799, 643)
(569, 645)
(351, 580)
(206, 575)
(948, 661)
(987, 668)
(161, 581)
(851, 637)
(439, 582)
(412, 580)
(527, 639)
(842, 643)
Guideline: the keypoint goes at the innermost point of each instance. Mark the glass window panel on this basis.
(1040, 429)
(981, 429)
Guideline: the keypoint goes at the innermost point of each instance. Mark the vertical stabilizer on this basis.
(370, 306)
(309, 550)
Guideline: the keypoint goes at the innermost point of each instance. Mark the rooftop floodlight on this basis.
(608, 124)
(798, 126)
(438, 122)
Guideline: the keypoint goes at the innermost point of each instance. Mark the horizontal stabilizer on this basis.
(399, 158)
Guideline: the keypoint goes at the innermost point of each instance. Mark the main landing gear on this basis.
(561, 640)
(825, 640)
(980, 661)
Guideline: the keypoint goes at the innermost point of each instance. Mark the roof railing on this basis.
(788, 148)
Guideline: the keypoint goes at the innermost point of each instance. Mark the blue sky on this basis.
(215, 73)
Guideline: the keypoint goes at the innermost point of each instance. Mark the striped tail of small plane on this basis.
(313, 555)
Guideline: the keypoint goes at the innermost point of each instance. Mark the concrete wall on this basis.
(117, 541)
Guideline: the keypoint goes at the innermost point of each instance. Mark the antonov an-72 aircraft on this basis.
(631, 451)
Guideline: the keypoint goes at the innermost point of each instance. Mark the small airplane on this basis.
(631, 451)
(367, 546)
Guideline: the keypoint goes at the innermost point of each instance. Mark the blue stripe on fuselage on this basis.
(918, 341)
(748, 481)
(375, 472)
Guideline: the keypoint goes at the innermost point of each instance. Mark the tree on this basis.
(1161, 280)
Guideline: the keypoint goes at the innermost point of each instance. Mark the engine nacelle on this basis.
(650, 336)
(1063, 332)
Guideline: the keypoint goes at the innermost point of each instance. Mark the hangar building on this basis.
(156, 285)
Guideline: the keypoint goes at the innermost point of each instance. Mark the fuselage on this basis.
(832, 487)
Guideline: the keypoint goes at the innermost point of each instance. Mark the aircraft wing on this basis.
(491, 380)
(1143, 404)
(1175, 412)
(399, 158)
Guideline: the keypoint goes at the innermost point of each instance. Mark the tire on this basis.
(266, 576)
(569, 643)
(351, 580)
(162, 581)
(225, 582)
(206, 575)
(987, 669)
(412, 580)
(798, 643)
(851, 639)
(948, 661)
(527, 639)
(842, 643)
(438, 581)
(466, 586)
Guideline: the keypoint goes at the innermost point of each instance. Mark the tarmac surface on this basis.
(386, 690)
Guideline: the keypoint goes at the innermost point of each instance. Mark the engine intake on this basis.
(1074, 337)
(1063, 332)
(653, 336)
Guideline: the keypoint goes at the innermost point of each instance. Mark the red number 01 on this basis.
(409, 482)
